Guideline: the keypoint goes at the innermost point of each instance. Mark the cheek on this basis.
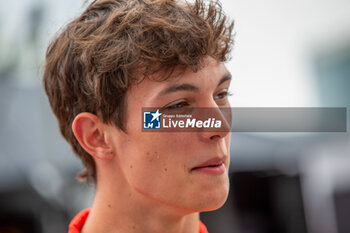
(228, 142)
(167, 151)
(159, 159)
(162, 145)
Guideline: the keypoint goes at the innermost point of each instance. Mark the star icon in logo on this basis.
(156, 115)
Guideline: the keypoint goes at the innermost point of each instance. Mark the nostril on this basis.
(214, 137)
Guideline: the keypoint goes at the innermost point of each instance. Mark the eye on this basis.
(178, 105)
(223, 95)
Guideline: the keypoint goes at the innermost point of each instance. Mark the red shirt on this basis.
(78, 221)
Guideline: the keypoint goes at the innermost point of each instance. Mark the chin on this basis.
(213, 200)
(217, 204)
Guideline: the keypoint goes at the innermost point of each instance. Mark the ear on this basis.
(90, 132)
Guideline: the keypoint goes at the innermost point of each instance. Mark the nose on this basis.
(219, 119)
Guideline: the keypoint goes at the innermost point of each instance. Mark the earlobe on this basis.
(91, 135)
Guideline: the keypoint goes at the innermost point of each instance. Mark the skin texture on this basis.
(146, 181)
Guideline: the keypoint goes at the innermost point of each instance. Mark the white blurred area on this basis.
(275, 45)
(286, 54)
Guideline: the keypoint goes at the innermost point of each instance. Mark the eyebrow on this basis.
(190, 87)
(226, 77)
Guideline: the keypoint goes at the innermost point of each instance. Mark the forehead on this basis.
(206, 77)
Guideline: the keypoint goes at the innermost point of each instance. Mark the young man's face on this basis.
(164, 167)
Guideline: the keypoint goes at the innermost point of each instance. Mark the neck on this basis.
(124, 210)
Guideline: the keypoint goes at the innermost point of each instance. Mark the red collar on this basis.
(78, 221)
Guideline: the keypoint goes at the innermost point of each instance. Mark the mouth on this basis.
(212, 166)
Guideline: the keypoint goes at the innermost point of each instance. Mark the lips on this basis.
(211, 163)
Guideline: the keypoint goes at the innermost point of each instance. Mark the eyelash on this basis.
(176, 106)
(225, 93)
(182, 104)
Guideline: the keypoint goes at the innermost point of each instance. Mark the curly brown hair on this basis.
(92, 63)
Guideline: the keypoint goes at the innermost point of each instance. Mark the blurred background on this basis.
(286, 54)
